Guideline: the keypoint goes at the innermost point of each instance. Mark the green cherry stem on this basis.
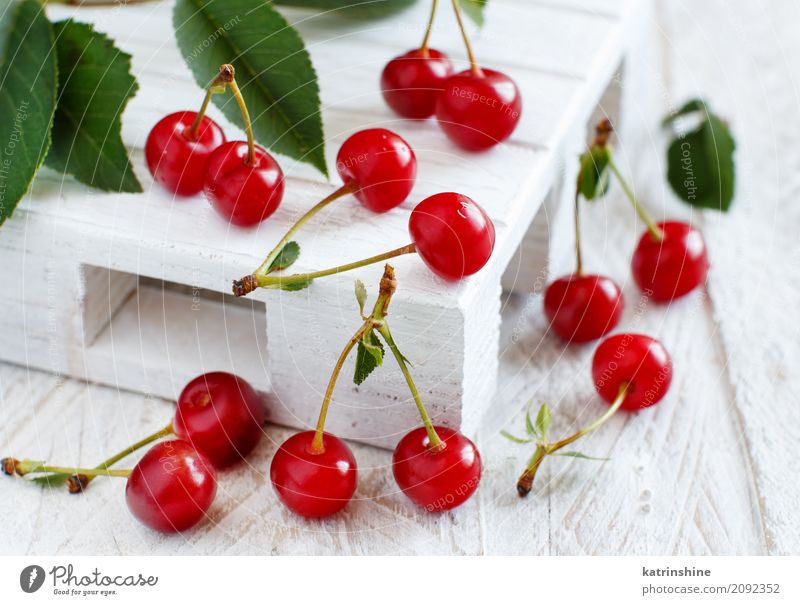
(346, 189)
(578, 254)
(525, 482)
(473, 63)
(217, 85)
(248, 126)
(25, 467)
(77, 482)
(654, 230)
(424, 46)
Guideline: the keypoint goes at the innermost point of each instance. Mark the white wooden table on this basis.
(711, 470)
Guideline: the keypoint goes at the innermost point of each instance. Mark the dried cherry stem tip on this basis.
(222, 79)
(525, 481)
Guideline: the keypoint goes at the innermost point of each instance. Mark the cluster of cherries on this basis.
(476, 108)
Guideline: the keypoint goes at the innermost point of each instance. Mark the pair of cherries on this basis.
(316, 485)
(582, 308)
(476, 108)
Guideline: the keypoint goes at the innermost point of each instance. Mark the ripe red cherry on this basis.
(672, 267)
(221, 415)
(381, 165)
(582, 308)
(437, 480)
(172, 487)
(314, 485)
(640, 362)
(175, 158)
(479, 110)
(452, 234)
(245, 193)
(411, 83)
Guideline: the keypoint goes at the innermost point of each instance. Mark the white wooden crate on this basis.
(72, 258)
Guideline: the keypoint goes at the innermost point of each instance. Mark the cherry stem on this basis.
(578, 253)
(264, 269)
(424, 46)
(272, 281)
(476, 70)
(525, 482)
(77, 482)
(25, 467)
(227, 77)
(193, 129)
(656, 233)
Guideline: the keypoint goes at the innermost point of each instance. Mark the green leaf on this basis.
(361, 295)
(700, 163)
(594, 175)
(689, 107)
(295, 286)
(360, 9)
(474, 10)
(51, 479)
(543, 420)
(511, 437)
(273, 70)
(286, 257)
(94, 85)
(579, 455)
(27, 97)
(368, 357)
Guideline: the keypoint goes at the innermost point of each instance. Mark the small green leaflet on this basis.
(474, 10)
(368, 357)
(293, 286)
(543, 420)
(286, 257)
(594, 175)
(515, 439)
(361, 295)
(94, 85)
(273, 71)
(27, 97)
(579, 455)
(51, 479)
(700, 163)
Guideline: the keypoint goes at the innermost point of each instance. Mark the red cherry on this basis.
(640, 362)
(581, 308)
(221, 415)
(672, 267)
(243, 193)
(172, 487)
(381, 165)
(411, 83)
(177, 160)
(452, 234)
(314, 485)
(478, 111)
(437, 480)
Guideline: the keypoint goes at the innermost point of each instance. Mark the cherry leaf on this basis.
(286, 257)
(474, 10)
(361, 295)
(51, 479)
(543, 420)
(515, 439)
(273, 70)
(579, 455)
(368, 356)
(594, 175)
(27, 97)
(94, 85)
(361, 9)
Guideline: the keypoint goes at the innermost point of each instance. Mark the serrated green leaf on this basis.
(579, 455)
(368, 357)
(286, 257)
(690, 106)
(474, 10)
(94, 85)
(515, 439)
(594, 175)
(543, 420)
(28, 77)
(51, 479)
(295, 286)
(360, 9)
(361, 295)
(700, 165)
(273, 70)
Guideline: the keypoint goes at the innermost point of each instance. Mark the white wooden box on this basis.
(132, 290)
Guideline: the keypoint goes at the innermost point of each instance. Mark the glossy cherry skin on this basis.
(452, 234)
(221, 415)
(437, 480)
(244, 194)
(640, 362)
(314, 485)
(172, 487)
(582, 308)
(479, 111)
(175, 159)
(381, 165)
(411, 83)
(672, 267)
